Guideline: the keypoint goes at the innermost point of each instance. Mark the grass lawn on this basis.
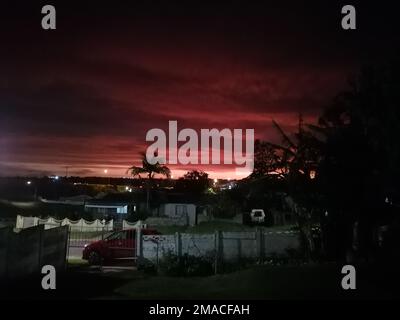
(261, 282)
(258, 282)
(255, 283)
(212, 226)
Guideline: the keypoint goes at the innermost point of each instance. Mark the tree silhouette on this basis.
(266, 159)
(194, 181)
(292, 162)
(149, 170)
(361, 155)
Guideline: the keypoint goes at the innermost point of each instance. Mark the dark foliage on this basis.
(186, 265)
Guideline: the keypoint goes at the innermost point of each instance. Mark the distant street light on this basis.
(29, 182)
(109, 178)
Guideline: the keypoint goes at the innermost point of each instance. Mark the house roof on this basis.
(156, 198)
(102, 203)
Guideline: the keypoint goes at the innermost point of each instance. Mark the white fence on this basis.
(133, 225)
(227, 246)
(78, 225)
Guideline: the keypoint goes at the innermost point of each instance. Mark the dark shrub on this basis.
(186, 265)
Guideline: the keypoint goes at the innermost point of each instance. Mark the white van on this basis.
(257, 216)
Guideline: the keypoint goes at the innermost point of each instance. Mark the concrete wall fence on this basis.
(24, 253)
(228, 246)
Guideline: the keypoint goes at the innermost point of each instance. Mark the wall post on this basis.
(139, 244)
(260, 243)
(41, 229)
(178, 244)
(218, 245)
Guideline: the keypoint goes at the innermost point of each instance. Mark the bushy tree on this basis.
(193, 181)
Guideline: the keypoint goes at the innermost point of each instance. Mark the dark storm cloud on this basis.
(60, 108)
(303, 90)
(85, 94)
(7, 169)
(82, 68)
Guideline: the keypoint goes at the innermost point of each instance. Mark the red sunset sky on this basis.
(85, 95)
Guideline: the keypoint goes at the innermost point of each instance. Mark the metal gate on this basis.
(120, 247)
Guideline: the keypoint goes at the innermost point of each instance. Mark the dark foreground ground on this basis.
(259, 282)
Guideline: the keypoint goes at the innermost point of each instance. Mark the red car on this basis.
(118, 245)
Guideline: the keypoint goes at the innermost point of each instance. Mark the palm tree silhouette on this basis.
(150, 170)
